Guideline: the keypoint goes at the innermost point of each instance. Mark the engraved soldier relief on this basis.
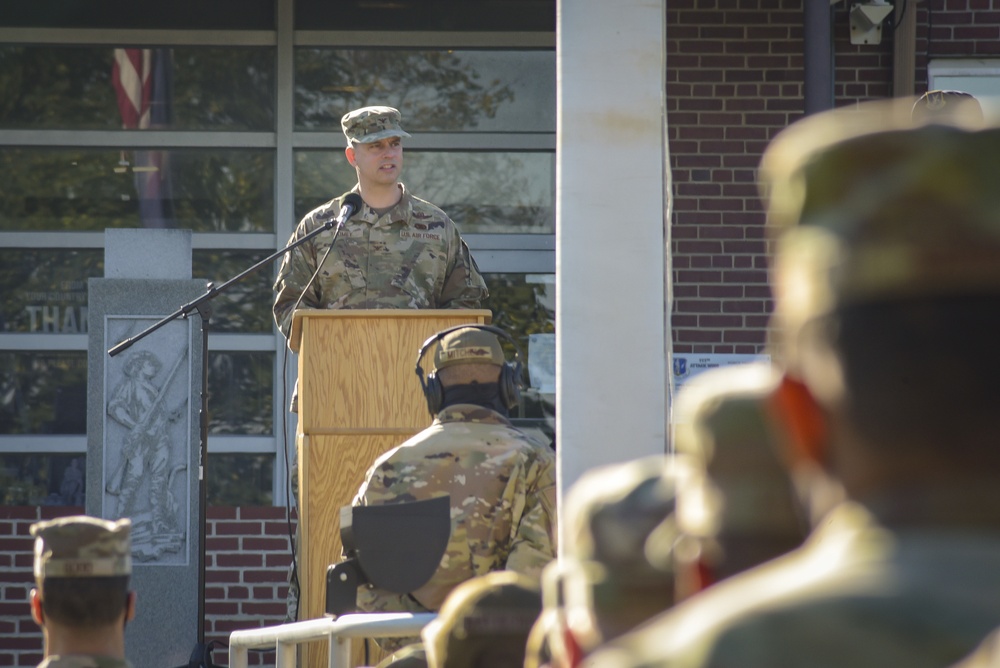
(147, 444)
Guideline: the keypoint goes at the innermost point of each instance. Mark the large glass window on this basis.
(483, 192)
(92, 190)
(245, 307)
(43, 392)
(435, 91)
(197, 142)
(43, 479)
(44, 291)
(188, 88)
(241, 391)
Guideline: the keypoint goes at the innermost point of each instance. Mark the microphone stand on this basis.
(201, 655)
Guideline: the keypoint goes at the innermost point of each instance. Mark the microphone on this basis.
(350, 206)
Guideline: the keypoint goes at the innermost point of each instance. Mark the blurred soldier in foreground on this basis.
(887, 302)
(82, 599)
(484, 623)
(650, 532)
(742, 510)
(501, 483)
(617, 568)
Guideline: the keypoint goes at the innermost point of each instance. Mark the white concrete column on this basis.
(610, 234)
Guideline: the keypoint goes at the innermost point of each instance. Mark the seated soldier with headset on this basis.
(501, 483)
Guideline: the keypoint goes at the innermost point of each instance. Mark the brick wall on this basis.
(734, 79)
(246, 566)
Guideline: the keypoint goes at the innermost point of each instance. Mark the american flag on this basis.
(130, 76)
(143, 85)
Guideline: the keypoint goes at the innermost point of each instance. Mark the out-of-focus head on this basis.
(886, 278)
(935, 105)
(484, 622)
(721, 423)
(618, 565)
(866, 205)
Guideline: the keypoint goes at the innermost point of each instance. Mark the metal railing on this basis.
(286, 637)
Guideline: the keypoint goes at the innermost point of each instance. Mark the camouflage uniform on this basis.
(502, 488)
(410, 257)
(81, 546)
(484, 622)
(868, 212)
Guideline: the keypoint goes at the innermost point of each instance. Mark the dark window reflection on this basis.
(176, 14)
(244, 307)
(241, 391)
(182, 88)
(43, 479)
(43, 392)
(523, 305)
(45, 291)
(92, 190)
(240, 480)
(495, 192)
(482, 15)
(436, 91)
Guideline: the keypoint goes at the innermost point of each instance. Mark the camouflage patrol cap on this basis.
(487, 616)
(468, 345)
(621, 518)
(370, 124)
(81, 546)
(868, 205)
(938, 104)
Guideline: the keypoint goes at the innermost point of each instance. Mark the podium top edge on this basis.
(471, 315)
(389, 312)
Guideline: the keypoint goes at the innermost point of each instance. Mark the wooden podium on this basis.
(358, 398)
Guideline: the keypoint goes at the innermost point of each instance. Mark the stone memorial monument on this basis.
(143, 436)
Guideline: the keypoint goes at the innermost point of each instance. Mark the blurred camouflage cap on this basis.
(943, 104)
(484, 616)
(621, 518)
(721, 420)
(468, 345)
(867, 204)
(81, 546)
(370, 124)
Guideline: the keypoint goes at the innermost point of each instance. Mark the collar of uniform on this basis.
(401, 212)
(471, 413)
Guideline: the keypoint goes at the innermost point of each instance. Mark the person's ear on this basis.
(349, 152)
(802, 418)
(35, 598)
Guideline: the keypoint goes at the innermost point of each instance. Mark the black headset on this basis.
(511, 374)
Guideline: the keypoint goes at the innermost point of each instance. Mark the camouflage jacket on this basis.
(83, 661)
(411, 257)
(502, 487)
(856, 594)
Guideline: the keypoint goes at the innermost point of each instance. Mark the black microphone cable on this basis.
(352, 202)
